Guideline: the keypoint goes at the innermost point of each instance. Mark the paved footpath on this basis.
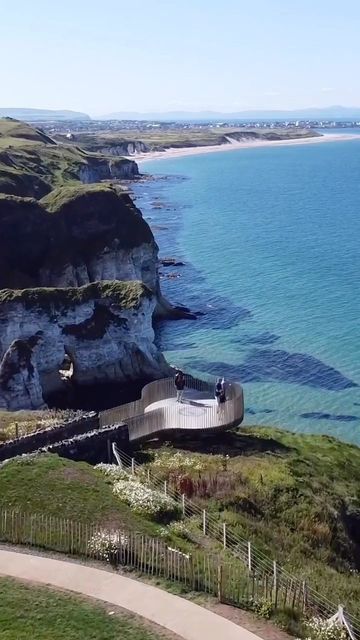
(178, 615)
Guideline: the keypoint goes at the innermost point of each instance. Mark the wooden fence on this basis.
(214, 574)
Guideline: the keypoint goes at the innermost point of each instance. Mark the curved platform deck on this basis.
(157, 410)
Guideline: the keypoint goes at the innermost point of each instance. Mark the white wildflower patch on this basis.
(144, 500)
(104, 544)
(319, 629)
(113, 471)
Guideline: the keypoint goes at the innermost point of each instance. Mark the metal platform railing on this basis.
(144, 420)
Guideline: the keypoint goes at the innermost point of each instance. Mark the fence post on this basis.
(224, 534)
(183, 503)
(275, 585)
(148, 475)
(249, 557)
(304, 596)
(133, 466)
(220, 580)
(204, 522)
(165, 487)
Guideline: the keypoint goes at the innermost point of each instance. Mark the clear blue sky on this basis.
(111, 55)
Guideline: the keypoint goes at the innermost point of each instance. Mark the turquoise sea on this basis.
(270, 238)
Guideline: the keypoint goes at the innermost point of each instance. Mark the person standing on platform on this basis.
(179, 382)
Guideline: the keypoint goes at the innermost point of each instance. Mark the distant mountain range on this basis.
(40, 115)
(321, 113)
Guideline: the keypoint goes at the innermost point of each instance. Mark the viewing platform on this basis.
(158, 412)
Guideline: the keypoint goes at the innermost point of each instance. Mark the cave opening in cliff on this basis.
(94, 397)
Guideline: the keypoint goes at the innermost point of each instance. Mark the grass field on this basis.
(29, 612)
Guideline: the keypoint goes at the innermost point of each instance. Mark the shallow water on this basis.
(270, 238)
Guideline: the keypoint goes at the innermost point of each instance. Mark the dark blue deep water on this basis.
(270, 238)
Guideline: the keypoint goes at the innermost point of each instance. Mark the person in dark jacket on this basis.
(222, 398)
(217, 392)
(179, 382)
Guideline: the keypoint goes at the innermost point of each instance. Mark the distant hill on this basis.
(321, 113)
(40, 115)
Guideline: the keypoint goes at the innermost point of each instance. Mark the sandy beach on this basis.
(141, 158)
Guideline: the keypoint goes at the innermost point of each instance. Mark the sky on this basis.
(160, 55)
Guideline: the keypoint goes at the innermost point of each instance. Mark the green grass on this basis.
(53, 486)
(296, 497)
(23, 422)
(178, 138)
(32, 164)
(42, 614)
(127, 294)
(63, 196)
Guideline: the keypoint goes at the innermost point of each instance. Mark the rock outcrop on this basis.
(73, 237)
(104, 328)
(78, 273)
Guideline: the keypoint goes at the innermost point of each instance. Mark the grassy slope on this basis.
(296, 497)
(177, 138)
(36, 612)
(31, 163)
(54, 486)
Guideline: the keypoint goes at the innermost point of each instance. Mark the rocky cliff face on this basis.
(125, 148)
(94, 171)
(104, 328)
(74, 237)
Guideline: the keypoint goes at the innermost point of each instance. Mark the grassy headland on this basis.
(159, 140)
(32, 163)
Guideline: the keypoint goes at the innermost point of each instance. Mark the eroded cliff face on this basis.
(73, 237)
(94, 171)
(104, 328)
(126, 148)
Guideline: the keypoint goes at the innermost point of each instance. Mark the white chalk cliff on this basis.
(105, 328)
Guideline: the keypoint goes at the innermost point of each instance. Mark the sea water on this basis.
(270, 239)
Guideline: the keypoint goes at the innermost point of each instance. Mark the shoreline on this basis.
(141, 158)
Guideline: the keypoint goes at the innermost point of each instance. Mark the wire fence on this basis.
(252, 558)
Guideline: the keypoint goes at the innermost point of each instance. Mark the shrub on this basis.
(107, 544)
(146, 501)
(113, 471)
(177, 528)
(167, 461)
(318, 629)
(263, 608)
